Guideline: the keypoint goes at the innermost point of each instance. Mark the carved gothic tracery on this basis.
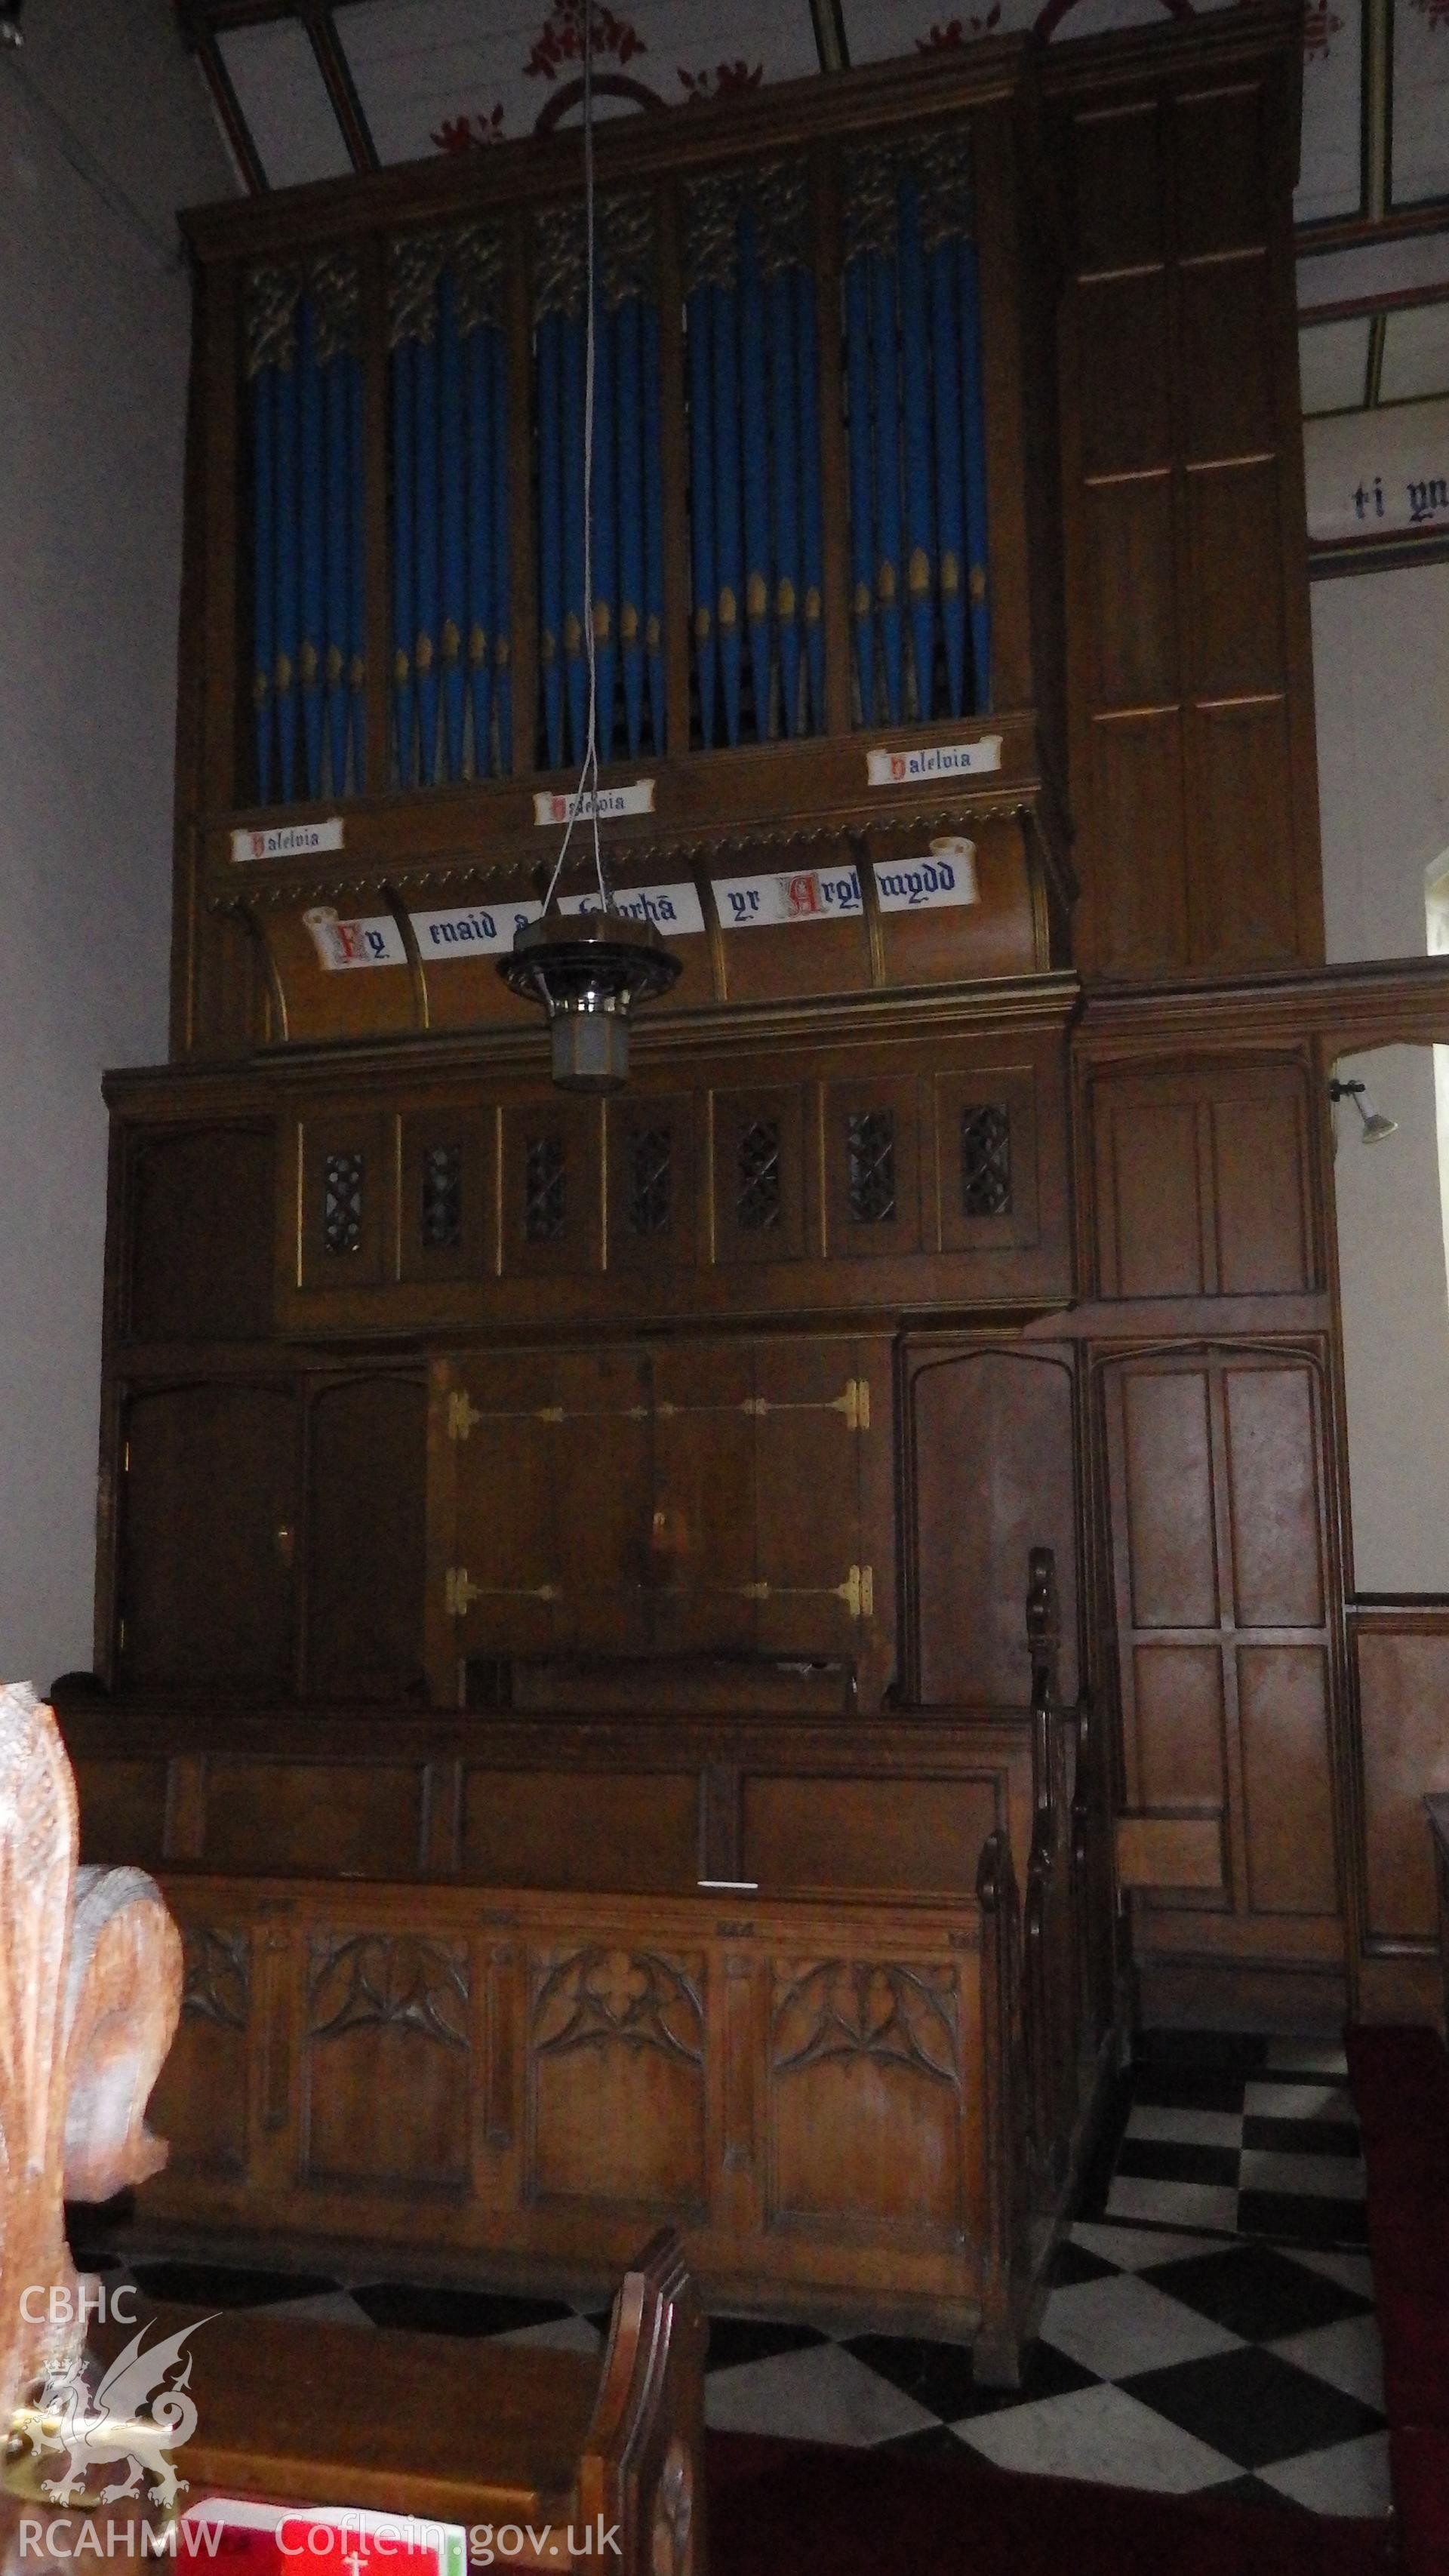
(390, 1982)
(847, 2009)
(639, 1998)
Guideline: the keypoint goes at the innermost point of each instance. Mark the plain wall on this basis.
(94, 344)
(1381, 663)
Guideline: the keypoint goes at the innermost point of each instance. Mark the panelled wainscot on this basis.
(698, 1653)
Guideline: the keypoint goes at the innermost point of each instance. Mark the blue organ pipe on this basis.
(862, 514)
(454, 567)
(287, 580)
(973, 413)
(311, 644)
(550, 532)
(630, 450)
(886, 380)
(263, 554)
(502, 605)
(755, 424)
(477, 375)
(357, 567)
(653, 524)
(916, 429)
(950, 467)
(605, 566)
(812, 533)
(576, 677)
(701, 501)
(404, 587)
(425, 466)
(784, 435)
(729, 565)
(336, 398)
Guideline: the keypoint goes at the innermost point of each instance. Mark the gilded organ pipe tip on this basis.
(727, 607)
(628, 623)
(757, 597)
(785, 599)
(423, 654)
(478, 645)
(451, 641)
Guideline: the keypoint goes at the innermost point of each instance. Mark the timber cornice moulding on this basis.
(629, 150)
(1007, 1005)
(1381, 1002)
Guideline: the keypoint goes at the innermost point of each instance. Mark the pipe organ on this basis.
(754, 1620)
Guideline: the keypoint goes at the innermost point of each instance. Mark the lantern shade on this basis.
(588, 972)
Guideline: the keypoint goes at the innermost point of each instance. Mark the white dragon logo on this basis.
(98, 2429)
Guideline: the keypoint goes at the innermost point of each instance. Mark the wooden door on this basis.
(1220, 1578)
(208, 1537)
(992, 1475)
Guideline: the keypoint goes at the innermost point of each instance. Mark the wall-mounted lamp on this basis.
(1375, 1124)
(10, 28)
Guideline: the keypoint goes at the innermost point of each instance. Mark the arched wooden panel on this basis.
(208, 1534)
(366, 1484)
(992, 1476)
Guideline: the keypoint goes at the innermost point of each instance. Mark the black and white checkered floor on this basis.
(1211, 2323)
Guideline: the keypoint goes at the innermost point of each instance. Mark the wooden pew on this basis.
(588, 2466)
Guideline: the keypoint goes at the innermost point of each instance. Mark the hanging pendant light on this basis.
(588, 972)
(590, 968)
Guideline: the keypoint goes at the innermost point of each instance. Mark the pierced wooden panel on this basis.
(446, 1207)
(347, 1200)
(651, 1181)
(552, 1187)
(199, 1214)
(986, 1177)
(872, 1169)
(759, 1176)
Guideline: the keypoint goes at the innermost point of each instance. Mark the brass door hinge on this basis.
(857, 1592)
(460, 1591)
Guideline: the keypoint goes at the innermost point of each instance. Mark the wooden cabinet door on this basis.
(704, 1497)
(1216, 1478)
(208, 1537)
(545, 1527)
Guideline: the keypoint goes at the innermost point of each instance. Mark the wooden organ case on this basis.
(563, 1610)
